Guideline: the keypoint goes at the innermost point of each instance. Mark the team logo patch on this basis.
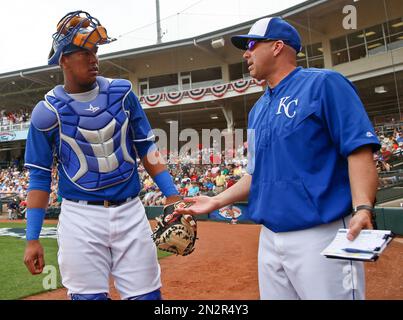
(288, 107)
(92, 108)
(369, 134)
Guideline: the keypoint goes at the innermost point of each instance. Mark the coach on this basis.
(310, 170)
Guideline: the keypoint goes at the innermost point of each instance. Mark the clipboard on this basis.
(367, 246)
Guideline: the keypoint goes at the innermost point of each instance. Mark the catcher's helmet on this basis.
(75, 31)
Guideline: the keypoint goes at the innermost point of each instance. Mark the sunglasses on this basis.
(252, 43)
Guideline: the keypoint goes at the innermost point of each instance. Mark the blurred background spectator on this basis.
(192, 178)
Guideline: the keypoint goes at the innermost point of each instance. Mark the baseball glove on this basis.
(175, 233)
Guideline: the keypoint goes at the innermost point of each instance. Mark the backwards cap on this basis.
(75, 31)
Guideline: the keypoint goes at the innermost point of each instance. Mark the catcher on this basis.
(175, 232)
(96, 127)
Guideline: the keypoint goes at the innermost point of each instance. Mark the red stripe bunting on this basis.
(218, 91)
(196, 94)
(241, 85)
(154, 99)
(259, 82)
(174, 97)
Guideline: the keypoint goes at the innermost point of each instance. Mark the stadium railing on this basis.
(386, 218)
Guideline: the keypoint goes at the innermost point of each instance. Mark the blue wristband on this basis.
(165, 183)
(35, 218)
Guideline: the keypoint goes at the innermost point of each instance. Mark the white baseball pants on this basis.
(96, 242)
(290, 266)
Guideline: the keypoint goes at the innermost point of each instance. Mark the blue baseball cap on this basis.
(274, 28)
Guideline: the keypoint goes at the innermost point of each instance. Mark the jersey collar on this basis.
(283, 82)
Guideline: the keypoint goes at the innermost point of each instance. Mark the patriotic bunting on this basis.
(154, 99)
(174, 97)
(259, 82)
(241, 85)
(218, 91)
(196, 94)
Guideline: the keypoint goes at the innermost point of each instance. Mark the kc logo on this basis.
(286, 106)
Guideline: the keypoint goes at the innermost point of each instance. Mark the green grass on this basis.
(22, 225)
(163, 254)
(15, 280)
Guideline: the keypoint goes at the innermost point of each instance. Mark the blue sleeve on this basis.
(345, 116)
(39, 179)
(39, 158)
(165, 183)
(142, 132)
(35, 217)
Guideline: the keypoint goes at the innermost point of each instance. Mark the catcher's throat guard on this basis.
(175, 233)
(77, 29)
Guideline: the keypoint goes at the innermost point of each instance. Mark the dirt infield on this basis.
(224, 266)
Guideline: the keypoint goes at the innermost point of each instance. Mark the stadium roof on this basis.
(177, 43)
(25, 87)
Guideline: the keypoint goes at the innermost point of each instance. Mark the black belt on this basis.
(105, 203)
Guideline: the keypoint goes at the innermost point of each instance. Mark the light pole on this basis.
(159, 36)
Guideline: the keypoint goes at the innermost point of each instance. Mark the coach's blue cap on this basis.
(270, 29)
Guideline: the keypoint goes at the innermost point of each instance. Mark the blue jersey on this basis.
(43, 145)
(300, 135)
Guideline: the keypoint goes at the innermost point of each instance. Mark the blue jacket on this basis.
(300, 135)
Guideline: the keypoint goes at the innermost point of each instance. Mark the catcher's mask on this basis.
(77, 30)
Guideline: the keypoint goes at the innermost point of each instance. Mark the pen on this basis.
(351, 250)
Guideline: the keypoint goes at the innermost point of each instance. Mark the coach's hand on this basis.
(201, 205)
(360, 221)
(33, 258)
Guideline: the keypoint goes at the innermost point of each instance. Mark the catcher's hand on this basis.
(175, 233)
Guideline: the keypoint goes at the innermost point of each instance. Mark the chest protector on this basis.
(95, 146)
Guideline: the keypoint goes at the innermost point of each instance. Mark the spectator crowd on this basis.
(391, 148)
(191, 177)
(14, 117)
